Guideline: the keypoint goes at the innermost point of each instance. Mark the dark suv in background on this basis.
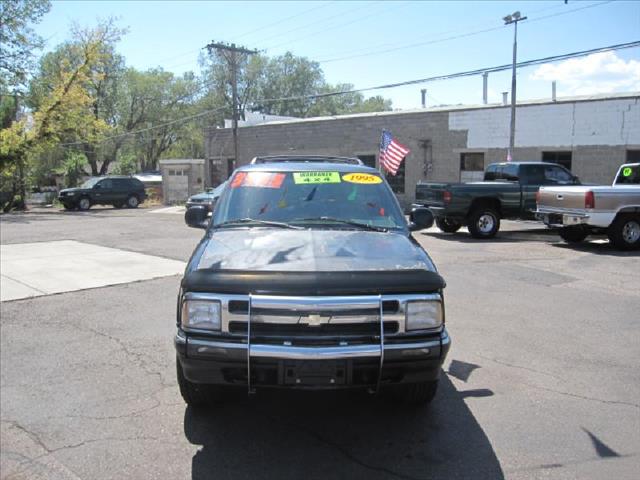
(112, 190)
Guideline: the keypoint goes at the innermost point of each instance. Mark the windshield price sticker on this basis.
(301, 178)
(364, 178)
(258, 179)
(626, 172)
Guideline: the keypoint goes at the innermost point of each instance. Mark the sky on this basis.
(373, 43)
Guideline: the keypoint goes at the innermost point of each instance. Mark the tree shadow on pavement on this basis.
(58, 214)
(597, 248)
(25, 218)
(506, 236)
(293, 435)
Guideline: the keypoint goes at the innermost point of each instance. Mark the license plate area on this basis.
(314, 372)
(554, 219)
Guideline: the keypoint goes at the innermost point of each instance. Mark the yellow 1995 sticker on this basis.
(365, 178)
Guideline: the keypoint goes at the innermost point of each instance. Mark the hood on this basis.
(202, 197)
(260, 249)
(71, 190)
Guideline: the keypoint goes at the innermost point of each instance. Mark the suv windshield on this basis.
(325, 199)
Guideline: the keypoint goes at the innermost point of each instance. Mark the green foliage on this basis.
(127, 165)
(73, 168)
(261, 79)
(18, 41)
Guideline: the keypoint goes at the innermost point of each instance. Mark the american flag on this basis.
(391, 153)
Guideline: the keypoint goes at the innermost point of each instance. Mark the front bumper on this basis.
(210, 361)
(206, 205)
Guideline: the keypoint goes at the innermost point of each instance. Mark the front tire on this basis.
(418, 394)
(573, 234)
(447, 225)
(194, 394)
(84, 204)
(133, 202)
(200, 394)
(624, 232)
(484, 223)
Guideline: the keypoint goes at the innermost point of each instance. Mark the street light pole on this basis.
(509, 19)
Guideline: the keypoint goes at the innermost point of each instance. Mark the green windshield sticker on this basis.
(315, 177)
(626, 172)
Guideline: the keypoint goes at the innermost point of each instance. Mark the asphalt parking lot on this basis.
(542, 380)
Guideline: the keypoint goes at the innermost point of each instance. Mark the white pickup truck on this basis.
(579, 211)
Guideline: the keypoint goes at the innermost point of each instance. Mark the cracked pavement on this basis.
(542, 379)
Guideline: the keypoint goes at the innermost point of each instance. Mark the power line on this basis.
(377, 51)
(318, 20)
(230, 54)
(466, 73)
(264, 27)
(359, 19)
(281, 21)
(413, 45)
(136, 132)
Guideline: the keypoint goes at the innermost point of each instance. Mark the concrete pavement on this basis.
(44, 268)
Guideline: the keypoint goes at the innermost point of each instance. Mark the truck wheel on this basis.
(447, 225)
(573, 234)
(194, 394)
(84, 203)
(199, 394)
(624, 232)
(484, 223)
(133, 202)
(417, 393)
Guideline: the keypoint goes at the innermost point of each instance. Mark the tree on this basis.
(152, 105)
(66, 109)
(297, 79)
(101, 84)
(18, 42)
(73, 168)
(290, 76)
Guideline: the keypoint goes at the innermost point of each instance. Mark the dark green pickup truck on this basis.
(508, 191)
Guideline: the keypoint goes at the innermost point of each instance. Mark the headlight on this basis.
(421, 315)
(204, 314)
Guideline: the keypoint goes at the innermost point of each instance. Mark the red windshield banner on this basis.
(258, 179)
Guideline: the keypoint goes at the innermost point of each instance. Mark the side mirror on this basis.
(97, 186)
(420, 218)
(196, 217)
(576, 180)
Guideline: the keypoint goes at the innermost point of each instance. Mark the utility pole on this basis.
(231, 55)
(514, 18)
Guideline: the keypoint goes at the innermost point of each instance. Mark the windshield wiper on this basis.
(362, 226)
(266, 223)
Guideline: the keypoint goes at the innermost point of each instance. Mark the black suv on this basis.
(308, 277)
(112, 190)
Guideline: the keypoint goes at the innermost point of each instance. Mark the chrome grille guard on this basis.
(312, 307)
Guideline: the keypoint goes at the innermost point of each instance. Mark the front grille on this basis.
(241, 307)
(301, 330)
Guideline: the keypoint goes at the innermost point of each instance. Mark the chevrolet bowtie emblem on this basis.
(314, 320)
